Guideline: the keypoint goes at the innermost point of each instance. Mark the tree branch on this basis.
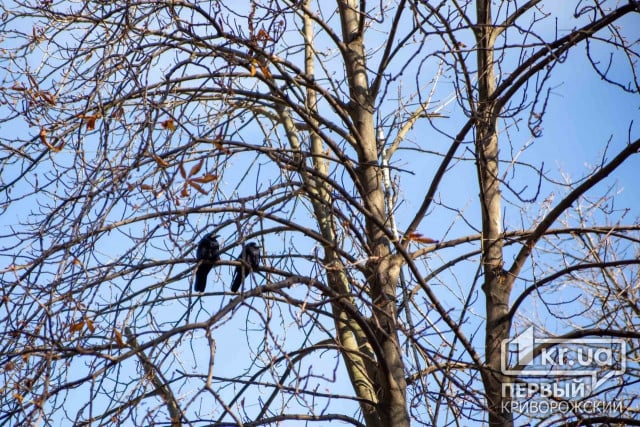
(564, 204)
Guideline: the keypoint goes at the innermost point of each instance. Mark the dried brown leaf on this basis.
(168, 124)
(118, 113)
(218, 143)
(418, 237)
(265, 71)
(197, 187)
(263, 35)
(196, 168)
(43, 137)
(118, 337)
(160, 161)
(90, 325)
(77, 327)
(89, 120)
(205, 178)
(51, 99)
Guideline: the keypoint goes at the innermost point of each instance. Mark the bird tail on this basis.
(201, 276)
(238, 278)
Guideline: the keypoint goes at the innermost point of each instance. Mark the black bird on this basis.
(249, 261)
(208, 253)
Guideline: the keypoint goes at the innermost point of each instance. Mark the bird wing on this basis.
(253, 257)
(215, 250)
(200, 250)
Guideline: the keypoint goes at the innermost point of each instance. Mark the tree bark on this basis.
(357, 351)
(496, 288)
(382, 267)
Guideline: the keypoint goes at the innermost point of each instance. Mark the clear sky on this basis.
(584, 121)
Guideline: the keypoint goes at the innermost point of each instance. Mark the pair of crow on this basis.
(208, 253)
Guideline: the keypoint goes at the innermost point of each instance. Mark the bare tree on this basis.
(381, 154)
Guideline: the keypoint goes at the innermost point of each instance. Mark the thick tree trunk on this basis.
(496, 288)
(383, 269)
(357, 350)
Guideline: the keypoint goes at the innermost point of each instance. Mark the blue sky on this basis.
(582, 116)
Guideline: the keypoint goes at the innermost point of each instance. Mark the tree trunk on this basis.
(382, 267)
(496, 287)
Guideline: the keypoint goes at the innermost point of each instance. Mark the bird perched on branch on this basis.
(208, 253)
(249, 262)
